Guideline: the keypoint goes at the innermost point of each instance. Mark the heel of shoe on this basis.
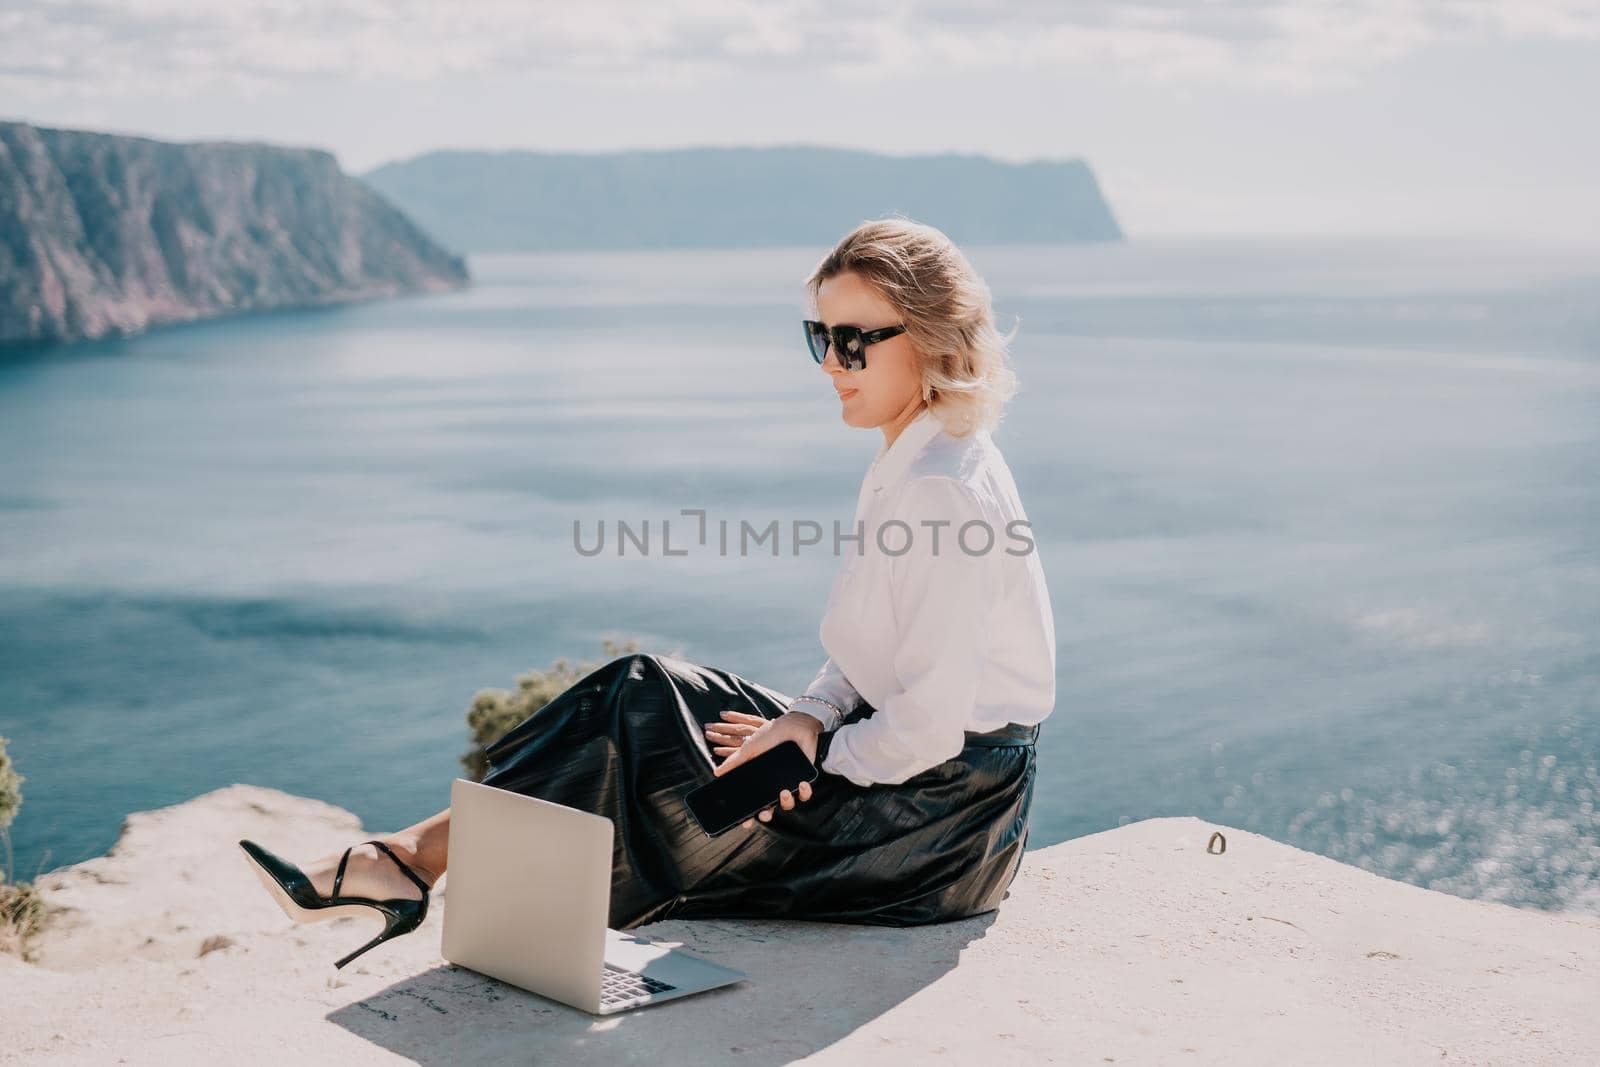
(394, 924)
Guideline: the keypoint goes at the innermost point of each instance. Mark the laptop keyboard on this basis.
(620, 986)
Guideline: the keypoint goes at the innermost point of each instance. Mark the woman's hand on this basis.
(726, 737)
(763, 735)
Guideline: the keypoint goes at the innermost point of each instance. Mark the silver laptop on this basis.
(527, 900)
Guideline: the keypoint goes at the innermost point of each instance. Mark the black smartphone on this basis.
(730, 799)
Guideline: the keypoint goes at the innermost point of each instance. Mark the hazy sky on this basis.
(1247, 116)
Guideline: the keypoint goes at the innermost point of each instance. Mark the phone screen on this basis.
(733, 797)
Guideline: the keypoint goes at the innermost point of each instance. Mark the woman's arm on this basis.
(835, 696)
(942, 602)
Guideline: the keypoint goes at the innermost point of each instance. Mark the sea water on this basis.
(1320, 518)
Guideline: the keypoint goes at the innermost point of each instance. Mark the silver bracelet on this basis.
(837, 710)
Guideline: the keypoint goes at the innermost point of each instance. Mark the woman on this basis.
(941, 665)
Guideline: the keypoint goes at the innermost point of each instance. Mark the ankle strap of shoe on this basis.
(409, 872)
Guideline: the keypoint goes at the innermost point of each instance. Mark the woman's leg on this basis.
(422, 846)
(425, 845)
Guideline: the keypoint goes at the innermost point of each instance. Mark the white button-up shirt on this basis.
(938, 634)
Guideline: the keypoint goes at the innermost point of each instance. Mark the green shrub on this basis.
(22, 909)
(10, 803)
(10, 791)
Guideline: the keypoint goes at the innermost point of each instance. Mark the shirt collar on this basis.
(894, 460)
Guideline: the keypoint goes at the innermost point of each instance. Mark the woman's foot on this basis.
(370, 872)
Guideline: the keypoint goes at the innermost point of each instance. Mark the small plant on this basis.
(22, 909)
(22, 912)
(495, 712)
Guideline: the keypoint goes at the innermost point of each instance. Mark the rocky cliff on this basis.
(104, 235)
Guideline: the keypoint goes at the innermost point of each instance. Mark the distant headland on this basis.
(526, 201)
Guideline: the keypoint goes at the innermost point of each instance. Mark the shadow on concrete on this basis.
(809, 985)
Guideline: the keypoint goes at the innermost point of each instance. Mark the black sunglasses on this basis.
(851, 341)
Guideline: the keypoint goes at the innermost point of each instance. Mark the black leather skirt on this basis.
(627, 741)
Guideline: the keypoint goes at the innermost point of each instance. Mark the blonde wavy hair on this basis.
(946, 309)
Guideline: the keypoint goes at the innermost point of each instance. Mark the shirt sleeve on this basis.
(831, 685)
(941, 596)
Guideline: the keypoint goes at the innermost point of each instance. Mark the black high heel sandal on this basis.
(299, 899)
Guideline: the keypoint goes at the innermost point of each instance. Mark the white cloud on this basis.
(87, 48)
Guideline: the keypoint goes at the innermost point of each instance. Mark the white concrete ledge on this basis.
(1131, 946)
